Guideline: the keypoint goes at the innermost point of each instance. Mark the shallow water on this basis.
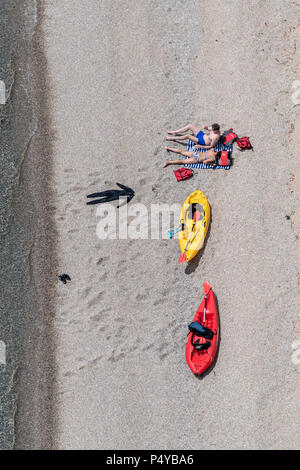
(16, 222)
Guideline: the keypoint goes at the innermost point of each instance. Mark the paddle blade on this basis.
(182, 258)
(197, 216)
(206, 288)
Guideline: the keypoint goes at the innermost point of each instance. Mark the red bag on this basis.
(229, 137)
(244, 143)
(224, 158)
(183, 174)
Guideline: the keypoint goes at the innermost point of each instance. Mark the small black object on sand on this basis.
(113, 195)
(64, 278)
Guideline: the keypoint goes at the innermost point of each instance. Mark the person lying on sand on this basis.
(204, 140)
(208, 157)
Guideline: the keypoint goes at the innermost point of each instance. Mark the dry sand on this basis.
(121, 74)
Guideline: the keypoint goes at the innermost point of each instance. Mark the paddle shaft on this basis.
(204, 315)
(195, 234)
(179, 229)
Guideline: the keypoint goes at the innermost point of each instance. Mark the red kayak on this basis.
(203, 339)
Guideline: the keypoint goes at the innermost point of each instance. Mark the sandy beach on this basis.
(115, 79)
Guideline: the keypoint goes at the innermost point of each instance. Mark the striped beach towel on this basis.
(199, 166)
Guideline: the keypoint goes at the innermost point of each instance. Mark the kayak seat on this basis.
(201, 346)
(199, 330)
(192, 209)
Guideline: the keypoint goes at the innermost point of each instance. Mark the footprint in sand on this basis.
(120, 273)
(69, 374)
(95, 300)
(160, 301)
(102, 260)
(142, 169)
(105, 310)
(95, 173)
(138, 198)
(86, 291)
(166, 180)
(104, 276)
(117, 358)
(119, 319)
(141, 297)
(96, 318)
(90, 363)
(156, 151)
(148, 347)
(74, 189)
(94, 182)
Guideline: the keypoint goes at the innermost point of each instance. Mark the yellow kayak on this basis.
(195, 218)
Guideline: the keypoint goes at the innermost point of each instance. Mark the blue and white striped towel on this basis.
(199, 166)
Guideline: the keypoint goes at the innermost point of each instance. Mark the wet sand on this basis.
(27, 236)
(36, 413)
(119, 79)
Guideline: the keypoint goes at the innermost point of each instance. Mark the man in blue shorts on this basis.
(206, 140)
